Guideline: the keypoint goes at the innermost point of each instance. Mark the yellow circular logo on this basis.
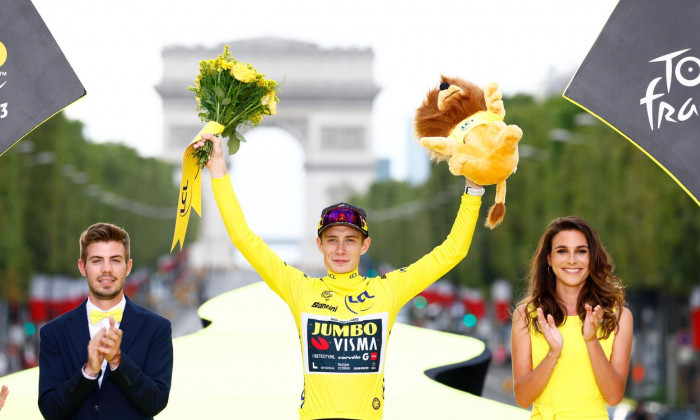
(3, 54)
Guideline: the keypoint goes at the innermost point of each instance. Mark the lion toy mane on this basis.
(463, 124)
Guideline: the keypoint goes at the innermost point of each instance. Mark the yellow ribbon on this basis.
(97, 316)
(190, 197)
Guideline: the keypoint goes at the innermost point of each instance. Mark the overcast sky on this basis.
(115, 49)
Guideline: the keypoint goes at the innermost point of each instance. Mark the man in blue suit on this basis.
(108, 358)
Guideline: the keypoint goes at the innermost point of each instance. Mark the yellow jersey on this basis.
(344, 320)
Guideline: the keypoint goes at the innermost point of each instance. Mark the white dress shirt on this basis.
(95, 328)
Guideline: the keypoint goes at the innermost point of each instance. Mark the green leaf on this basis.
(239, 137)
(233, 145)
(219, 92)
(225, 101)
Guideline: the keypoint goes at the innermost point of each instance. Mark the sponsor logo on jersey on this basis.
(376, 403)
(327, 294)
(352, 276)
(334, 329)
(320, 343)
(359, 303)
(344, 346)
(319, 305)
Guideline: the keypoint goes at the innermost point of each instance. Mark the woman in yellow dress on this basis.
(572, 334)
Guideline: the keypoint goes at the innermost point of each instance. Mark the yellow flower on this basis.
(243, 72)
(198, 100)
(225, 65)
(269, 84)
(270, 101)
(197, 80)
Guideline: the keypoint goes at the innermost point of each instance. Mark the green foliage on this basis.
(55, 184)
(570, 164)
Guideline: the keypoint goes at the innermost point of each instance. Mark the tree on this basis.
(55, 184)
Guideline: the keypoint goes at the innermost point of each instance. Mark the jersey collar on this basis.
(345, 283)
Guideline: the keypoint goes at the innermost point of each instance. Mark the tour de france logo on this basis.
(679, 71)
(3, 53)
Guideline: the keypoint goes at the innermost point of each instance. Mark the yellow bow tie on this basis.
(97, 316)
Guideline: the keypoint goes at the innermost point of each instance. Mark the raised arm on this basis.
(445, 256)
(273, 270)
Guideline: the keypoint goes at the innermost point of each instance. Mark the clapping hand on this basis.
(3, 395)
(594, 317)
(551, 333)
(95, 358)
(110, 345)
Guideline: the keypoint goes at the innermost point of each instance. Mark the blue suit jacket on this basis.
(137, 389)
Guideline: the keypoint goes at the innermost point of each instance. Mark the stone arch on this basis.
(326, 99)
(274, 159)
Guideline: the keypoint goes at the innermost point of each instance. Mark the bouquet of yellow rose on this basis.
(232, 94)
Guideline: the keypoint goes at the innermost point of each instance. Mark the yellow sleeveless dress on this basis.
(571, 392)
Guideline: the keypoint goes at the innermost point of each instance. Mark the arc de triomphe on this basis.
(325, 103)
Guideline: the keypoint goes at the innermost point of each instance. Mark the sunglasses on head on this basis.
(343, 216)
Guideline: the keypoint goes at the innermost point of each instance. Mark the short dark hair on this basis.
(104, 232)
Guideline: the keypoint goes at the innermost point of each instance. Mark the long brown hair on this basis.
(602, 287)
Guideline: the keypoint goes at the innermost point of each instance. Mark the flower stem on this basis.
(218, 78)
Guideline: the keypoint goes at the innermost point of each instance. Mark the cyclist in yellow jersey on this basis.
(572, 334)
(343, 319)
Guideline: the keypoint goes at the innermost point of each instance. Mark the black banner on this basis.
(642, 77)
(36, 80)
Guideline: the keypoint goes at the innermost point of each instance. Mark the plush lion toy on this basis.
(463, 124)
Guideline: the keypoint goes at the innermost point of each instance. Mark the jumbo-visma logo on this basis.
(3, 54)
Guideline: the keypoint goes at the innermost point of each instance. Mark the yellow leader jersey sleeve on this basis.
(344, 320)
